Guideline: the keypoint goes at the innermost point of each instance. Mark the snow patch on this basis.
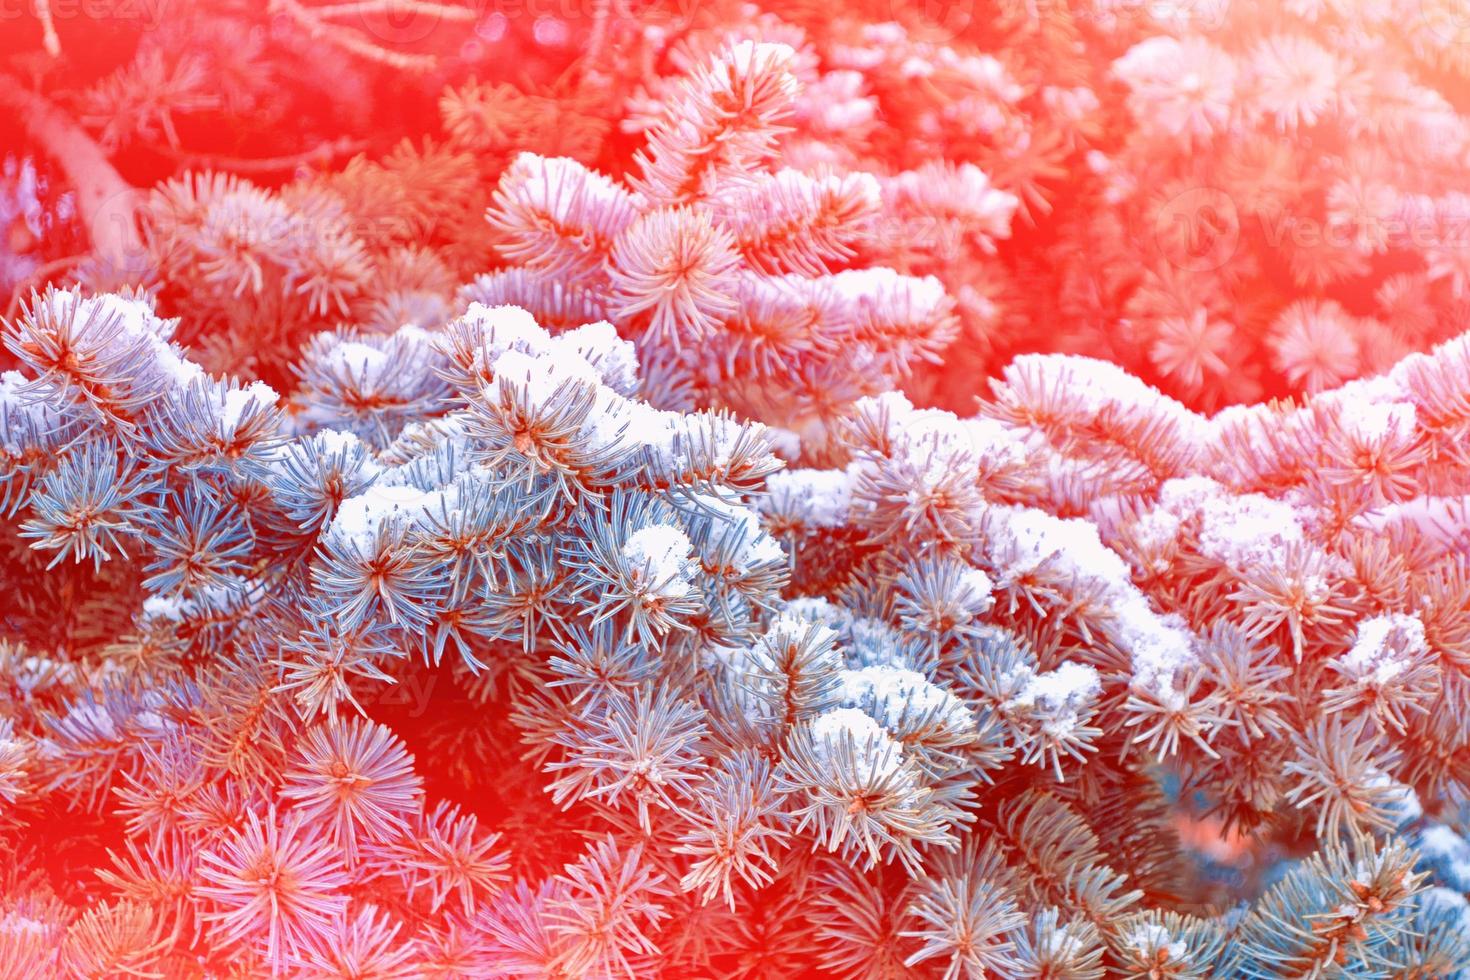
(660, 556)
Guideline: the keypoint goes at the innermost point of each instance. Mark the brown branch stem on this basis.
(106, 203)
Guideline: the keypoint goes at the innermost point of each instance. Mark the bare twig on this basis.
(321, 153)
(443, 11)
(39, 277)
(316, 22)
(602, 12)
(48, 28)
